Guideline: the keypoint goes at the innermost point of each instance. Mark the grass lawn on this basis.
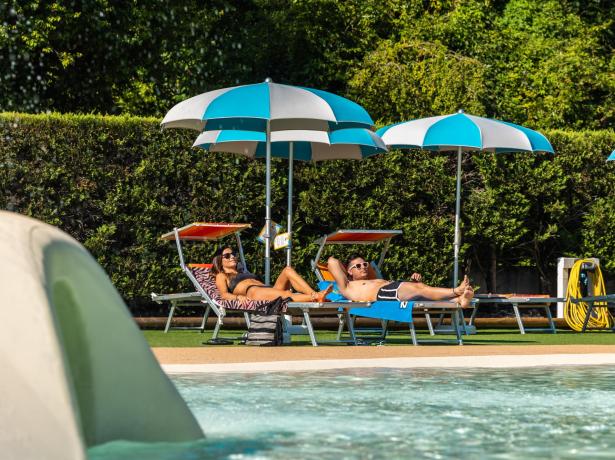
(193, 338)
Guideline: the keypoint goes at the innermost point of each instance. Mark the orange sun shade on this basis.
(204, 231)
(360, 236)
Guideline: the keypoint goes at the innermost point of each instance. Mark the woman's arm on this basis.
(223, 288)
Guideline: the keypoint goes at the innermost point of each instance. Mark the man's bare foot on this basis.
(466, 298)
(459, 290)
(321, 296)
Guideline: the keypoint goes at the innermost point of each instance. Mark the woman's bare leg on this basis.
(265, 293)
(289, 278)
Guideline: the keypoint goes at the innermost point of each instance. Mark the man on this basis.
(358, 282)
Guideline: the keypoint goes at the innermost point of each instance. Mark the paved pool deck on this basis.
(280, 359)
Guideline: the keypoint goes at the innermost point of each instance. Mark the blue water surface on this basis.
(546, 412)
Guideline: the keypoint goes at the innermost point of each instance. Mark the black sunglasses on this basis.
(359, 265)
(228, 255)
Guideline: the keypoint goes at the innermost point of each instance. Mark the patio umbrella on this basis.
(353, 143)
(267, 107)
(460, 132)
(611, 156)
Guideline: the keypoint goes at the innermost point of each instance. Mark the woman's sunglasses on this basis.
(228, 255)
(359, 265)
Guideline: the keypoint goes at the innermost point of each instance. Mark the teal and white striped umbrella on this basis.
(460, 132)
(354, 144)
(267, 107)
(611, 156)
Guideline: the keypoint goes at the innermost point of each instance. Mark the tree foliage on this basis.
(547, 64)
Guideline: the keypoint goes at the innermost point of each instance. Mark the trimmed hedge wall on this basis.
(118, 183)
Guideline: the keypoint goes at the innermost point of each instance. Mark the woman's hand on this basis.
(416, 277)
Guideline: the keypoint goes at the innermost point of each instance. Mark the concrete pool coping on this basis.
(284, 359)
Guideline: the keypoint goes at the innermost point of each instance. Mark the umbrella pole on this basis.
(289, 219)
(457, 212)
(268, 206)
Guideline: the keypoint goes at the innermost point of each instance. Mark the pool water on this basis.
(554, 412)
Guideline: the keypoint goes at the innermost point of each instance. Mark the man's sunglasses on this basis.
(359, 265)
(228, 255)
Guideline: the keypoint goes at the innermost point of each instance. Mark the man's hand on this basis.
(416, 277)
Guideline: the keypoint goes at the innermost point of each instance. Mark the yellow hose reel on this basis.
(575, 313)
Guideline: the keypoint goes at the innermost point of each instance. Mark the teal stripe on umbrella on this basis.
(611, 156)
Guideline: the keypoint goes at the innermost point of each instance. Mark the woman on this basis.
(235, 284)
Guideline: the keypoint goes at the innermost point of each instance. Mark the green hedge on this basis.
(118, 183)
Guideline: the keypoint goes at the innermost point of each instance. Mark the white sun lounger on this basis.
(200, 231)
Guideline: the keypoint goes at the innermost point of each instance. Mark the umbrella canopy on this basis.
(254, 107)
(354, 143)
(461, 132)
(465, 132)
(611, 156)
(267, 107)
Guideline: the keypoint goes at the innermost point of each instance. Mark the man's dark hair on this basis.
(353, 257)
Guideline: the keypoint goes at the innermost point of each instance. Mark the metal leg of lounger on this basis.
(205, 316)
(440, 320)
(455, 320)
(385, 326)
(350, 322)
(170, 317)
(429, 325)
(518, 316)
(308, 323)
(550, 318)
(590, 308)
(473, 315)
(413, 333)
(217, 328)
(340, 327)
(246, 315)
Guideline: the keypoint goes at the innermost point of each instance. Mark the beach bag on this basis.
(265, 330)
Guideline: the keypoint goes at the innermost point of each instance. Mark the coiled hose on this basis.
(575, 313)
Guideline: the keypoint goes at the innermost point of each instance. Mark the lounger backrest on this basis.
(207, 281)
(324, 271)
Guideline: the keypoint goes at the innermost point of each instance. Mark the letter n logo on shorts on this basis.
(403, 304)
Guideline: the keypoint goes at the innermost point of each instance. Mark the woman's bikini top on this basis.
(239, 278)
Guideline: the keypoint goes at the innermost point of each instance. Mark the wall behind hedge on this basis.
(117, 183)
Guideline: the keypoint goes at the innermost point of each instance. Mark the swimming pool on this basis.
(546, 412)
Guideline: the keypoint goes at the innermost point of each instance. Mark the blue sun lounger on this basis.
(403, 312)
(385, 311)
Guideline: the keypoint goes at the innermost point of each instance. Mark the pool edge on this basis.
(484, 361)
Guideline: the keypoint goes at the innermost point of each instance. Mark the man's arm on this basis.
(337, 270)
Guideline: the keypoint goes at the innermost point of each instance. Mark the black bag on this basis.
(265, 330)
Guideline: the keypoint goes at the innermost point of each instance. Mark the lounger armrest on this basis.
(182, 296)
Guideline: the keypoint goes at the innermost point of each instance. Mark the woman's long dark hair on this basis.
(216, 263)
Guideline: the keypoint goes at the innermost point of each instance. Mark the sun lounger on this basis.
(519, 302)
(354, 237)
(403, 312)
(603, 301)
(206, 294)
